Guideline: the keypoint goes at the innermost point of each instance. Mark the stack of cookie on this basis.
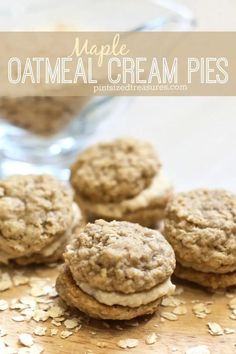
(201, 227)
(37, 217)
(116, 270)
(121, 180)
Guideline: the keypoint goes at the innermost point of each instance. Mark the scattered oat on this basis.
(232, 316)
(26, 339)
(55, 323)
(3, 332)
(232, 304)
(43, 306)
(18, 318)
(56, 311)
(229, 295)
(170, 301)
(78, 328)
(53, 332)
(215, 329)
(65, 334)
(200, 349)
(3, 305)
(128, 343)
(151, 338)
(40, 315)
(28, 313)
(229, 330)
(29, 301)
(19, 279)
(178, 290)
(59, 319)
(17, 306)
(40, 331)
(93, 333)
(169, 316)
(2, 346)
(52, 292)
(38, 291)
(5, 281)
(10, 350)
(71, 324)
(42, 300)
(101, 344)
(180, 310)
(201, 310)
(35, 349)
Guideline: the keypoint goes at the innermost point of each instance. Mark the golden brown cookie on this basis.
(201, 227)
(75, 297)
(121, 180)
(119, 256)
(37, 215)
(116, 270)
(209, 280)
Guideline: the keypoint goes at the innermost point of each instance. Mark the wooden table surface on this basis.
(102, 337)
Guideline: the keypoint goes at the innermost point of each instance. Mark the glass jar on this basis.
(43, 134)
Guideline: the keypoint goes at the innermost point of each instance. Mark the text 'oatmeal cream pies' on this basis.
(121, 180)
(116, 270)
(37, 215)
(201, 227)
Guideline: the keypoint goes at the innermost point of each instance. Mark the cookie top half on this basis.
(34, 210)
(112, 172)
(201, 226)
(120, 256)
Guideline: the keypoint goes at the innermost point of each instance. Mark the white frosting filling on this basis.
(155, 192)
(130, 300)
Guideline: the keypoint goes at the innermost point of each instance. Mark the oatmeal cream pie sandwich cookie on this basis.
(37, 216)
(116, 270)
(121, 180)
(201, 227)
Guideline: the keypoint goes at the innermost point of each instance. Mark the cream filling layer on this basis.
(157, 190)
(130, 300)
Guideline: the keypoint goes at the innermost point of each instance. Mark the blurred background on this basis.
(194, 136)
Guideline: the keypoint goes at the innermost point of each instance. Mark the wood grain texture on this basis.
(173, 336)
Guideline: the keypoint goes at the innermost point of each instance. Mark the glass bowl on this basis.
(44, 134)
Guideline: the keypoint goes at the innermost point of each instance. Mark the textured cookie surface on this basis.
(75, 297)
(34, 210)
(112, 172)
(209, 280)
(120, 256)
(201, 227)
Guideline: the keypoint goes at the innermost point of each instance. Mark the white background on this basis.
(194, 136)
